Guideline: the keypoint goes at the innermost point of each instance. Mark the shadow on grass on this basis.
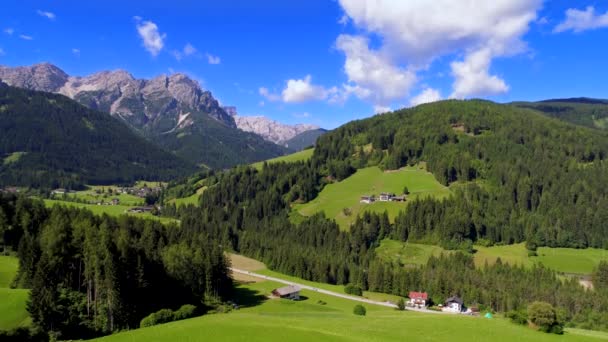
(245, 297)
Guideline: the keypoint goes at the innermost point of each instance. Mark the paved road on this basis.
(330, 293)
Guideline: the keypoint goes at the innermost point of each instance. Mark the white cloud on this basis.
(211, 59)
(188, 50)
(270, 96)
(381, 109)
(9, 31)
(426, 96)
(579, 21)
(343, 20)
(415, 33)
(25, 37)
(472, 76)
(76, 52)
(302, 90)
(372, 74)
(49, 15)
(152, 39)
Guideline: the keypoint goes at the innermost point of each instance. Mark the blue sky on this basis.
(325, 62)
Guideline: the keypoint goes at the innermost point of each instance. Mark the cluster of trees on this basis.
(92, 275)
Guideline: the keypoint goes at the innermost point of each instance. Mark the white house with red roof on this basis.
(418, 299)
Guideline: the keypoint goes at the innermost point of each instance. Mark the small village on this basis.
(383, 197)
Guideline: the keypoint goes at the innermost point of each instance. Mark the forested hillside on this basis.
(50, 141)
(580, 111)
(92, 275)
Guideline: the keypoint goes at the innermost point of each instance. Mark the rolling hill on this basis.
(48, 140)
(580, 111)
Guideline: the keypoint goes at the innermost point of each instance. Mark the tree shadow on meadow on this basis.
(246, 297)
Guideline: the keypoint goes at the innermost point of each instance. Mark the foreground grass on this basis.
(372, 181)
(112, 210)
(291, 158)
(324, 318)
(13, 311)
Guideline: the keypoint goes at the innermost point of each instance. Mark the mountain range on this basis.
(172, 111)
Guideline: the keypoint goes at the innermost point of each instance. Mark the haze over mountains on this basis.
(172, 111)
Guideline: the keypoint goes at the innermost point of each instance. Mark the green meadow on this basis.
(565, 260)
(290, 158)
(334, 198)
(13, 311)
(320, 317)
(91, 196)
(112, 210)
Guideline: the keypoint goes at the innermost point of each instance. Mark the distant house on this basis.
(453, 304)
(115, 201)
(59, 191)
(397, 198)
(288, 292)
(418, 299)
(367, 199)
(385, 196)
(140, 210)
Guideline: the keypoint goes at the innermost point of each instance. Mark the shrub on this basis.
(359, 310)
(518, 317)
(186, 311)
(532, 254)
(543, 315)
(354, 290)
(401, 304)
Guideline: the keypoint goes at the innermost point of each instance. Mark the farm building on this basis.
(453, 304)
(417, 299)
(397, 199)
(385, 196)
(115, 201)
(145, 209)
(367, 199)
(288, 292)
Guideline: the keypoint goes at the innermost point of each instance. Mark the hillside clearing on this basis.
(290, 158)
(13, 311)
(334, 198)
(112, 210)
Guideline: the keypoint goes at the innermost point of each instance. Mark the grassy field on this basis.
(372, 181)
(13, 158)
(406, 253)
(12, 301)
(291, 158)
(92, 197)
(112, 210)
(320, 317)
(566, 260)
(193, 200)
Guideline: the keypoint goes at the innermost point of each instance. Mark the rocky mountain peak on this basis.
(269, 129)
(43, 76)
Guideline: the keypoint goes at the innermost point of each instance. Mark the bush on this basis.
(518, 317)
(543, 315)
(186, 311)
(23, 335)
(532, 254)
(354, 290)
(401, 304)
(359, 310)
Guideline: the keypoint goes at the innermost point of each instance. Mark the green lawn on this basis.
(112, 210)
(401, 253)
(291, 158)
(566, 260)
(92, 197)
(372, 181)
(13, 311)
(307, 320)
(193, 199)
(13, 158)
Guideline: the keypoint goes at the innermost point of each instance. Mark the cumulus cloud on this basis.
(9, 31)
(471, 76)
(211, 59)
(270, 96)
(302, 90)
(372, 74)
(426, 96)
(381, 109)
(49, 15)
(26, 37)
(579, 21)
(152, 39)
(415, 33)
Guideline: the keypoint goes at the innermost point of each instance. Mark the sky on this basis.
(325, 62)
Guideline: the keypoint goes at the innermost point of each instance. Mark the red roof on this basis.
(418, 295)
